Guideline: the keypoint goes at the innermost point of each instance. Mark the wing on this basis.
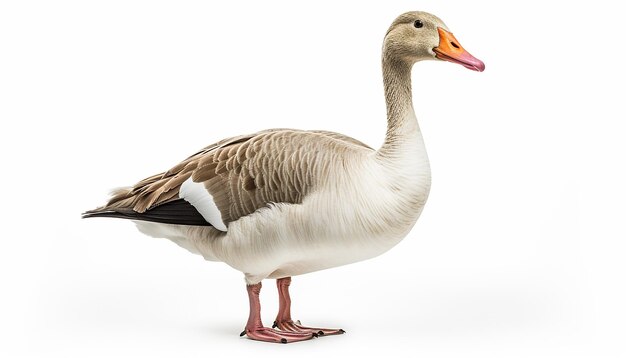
(237, 176)
(344, 138)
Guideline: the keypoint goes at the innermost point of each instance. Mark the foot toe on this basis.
(291, 326)
(271, 335)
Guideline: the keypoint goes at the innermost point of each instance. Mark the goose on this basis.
(285, 202)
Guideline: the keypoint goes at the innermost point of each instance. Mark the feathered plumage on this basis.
(285, 202)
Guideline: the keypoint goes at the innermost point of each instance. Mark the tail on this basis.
(177, 212)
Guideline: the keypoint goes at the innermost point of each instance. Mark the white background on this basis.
(520, 251)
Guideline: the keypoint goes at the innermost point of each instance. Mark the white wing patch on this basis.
(197, 195)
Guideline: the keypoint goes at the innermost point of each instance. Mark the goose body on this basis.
(353, 214)
(285, 202)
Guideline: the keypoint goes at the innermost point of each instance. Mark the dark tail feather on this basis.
(178, 212)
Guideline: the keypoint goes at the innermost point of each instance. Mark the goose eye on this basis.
(418, 23)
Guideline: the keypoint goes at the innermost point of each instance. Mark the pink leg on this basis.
(254, 327)
(283, 319)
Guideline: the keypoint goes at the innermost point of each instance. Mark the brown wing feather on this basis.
(244, 173)
(245, 176)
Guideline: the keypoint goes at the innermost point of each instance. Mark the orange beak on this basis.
(449, 49)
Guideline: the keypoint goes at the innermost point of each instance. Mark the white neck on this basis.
(403, 154)
(403, 132)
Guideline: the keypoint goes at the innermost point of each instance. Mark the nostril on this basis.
(454, 44)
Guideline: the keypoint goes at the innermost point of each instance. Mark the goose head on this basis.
(416, 36)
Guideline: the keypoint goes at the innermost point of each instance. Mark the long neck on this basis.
(402, 127)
